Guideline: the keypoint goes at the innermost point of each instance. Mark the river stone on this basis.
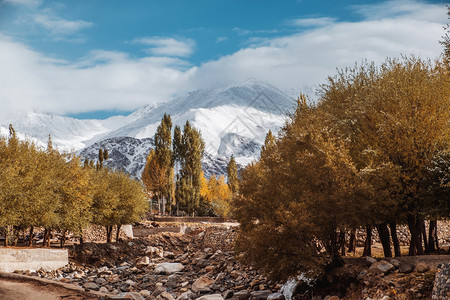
(241, 295)
(395, 262)
(405, 267)
(143, 262)
(159, 290)
(165, 296)
(370, 260)
(172, 281)
(422, 267)
(145, 293)
(211, 297)
(91, 286)
(383, 266)
(275, 296)
(228, 294)
(168, 268)
(154, 251)
(202, 284)
(260, 295)
(186, 296)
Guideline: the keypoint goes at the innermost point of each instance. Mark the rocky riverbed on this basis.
(202, 263)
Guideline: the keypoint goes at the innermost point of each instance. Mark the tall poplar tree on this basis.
(190, 151)
(233, 182)
(163, 152)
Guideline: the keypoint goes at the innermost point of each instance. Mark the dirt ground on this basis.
(14, 290)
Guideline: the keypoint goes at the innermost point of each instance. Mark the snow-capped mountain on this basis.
(232, 120)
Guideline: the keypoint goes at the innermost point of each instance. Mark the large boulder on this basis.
(168, 268)
(211, 297)
(382, 266)
(202, 284)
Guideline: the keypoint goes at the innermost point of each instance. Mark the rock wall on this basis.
(441, 289)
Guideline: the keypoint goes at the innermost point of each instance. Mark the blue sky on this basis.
(96, 58)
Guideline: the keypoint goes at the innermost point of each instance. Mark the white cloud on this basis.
(241, 31)
(313, 22)
(24, 2)
(58, 26)
(221, 39)
(167, 46)
(102, 80)
(113, 80)
(397, 9)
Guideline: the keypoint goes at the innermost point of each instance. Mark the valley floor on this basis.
(168, 266)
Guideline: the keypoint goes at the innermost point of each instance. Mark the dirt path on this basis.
(14, 290)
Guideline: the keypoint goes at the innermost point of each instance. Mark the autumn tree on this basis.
(396, 116)
(132, 203)
(155, 177)
(296, 199)
(74, 197)
(163, 153)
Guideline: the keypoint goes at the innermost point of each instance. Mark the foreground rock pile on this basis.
(201, 264)
(441, 289)
(166, 267)
(395, 279)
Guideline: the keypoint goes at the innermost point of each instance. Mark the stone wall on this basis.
(441, 289)
(12, 259)
(192, 219)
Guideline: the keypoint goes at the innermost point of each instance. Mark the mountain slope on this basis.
(232, 120)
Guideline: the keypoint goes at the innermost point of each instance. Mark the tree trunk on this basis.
(108, 233)
(415, 245)
(6, 235)
(334, 247)
(30, 243)
(419, 246)
(118, 232)
(16, 232)
(395, 241)
(44, 240)
(163, 208)
(383, 232)
(63, 239)
(352, 242)
(432, 236)
(49, 237)
(424, 237)
(342, 242)
(368, 242)
(412, 230)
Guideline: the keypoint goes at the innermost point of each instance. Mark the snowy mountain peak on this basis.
(232, 120)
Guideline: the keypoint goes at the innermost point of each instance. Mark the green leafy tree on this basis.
(191, 153)
(163, 152)
(233, 181)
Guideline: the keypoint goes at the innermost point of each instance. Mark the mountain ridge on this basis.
(232, 120)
